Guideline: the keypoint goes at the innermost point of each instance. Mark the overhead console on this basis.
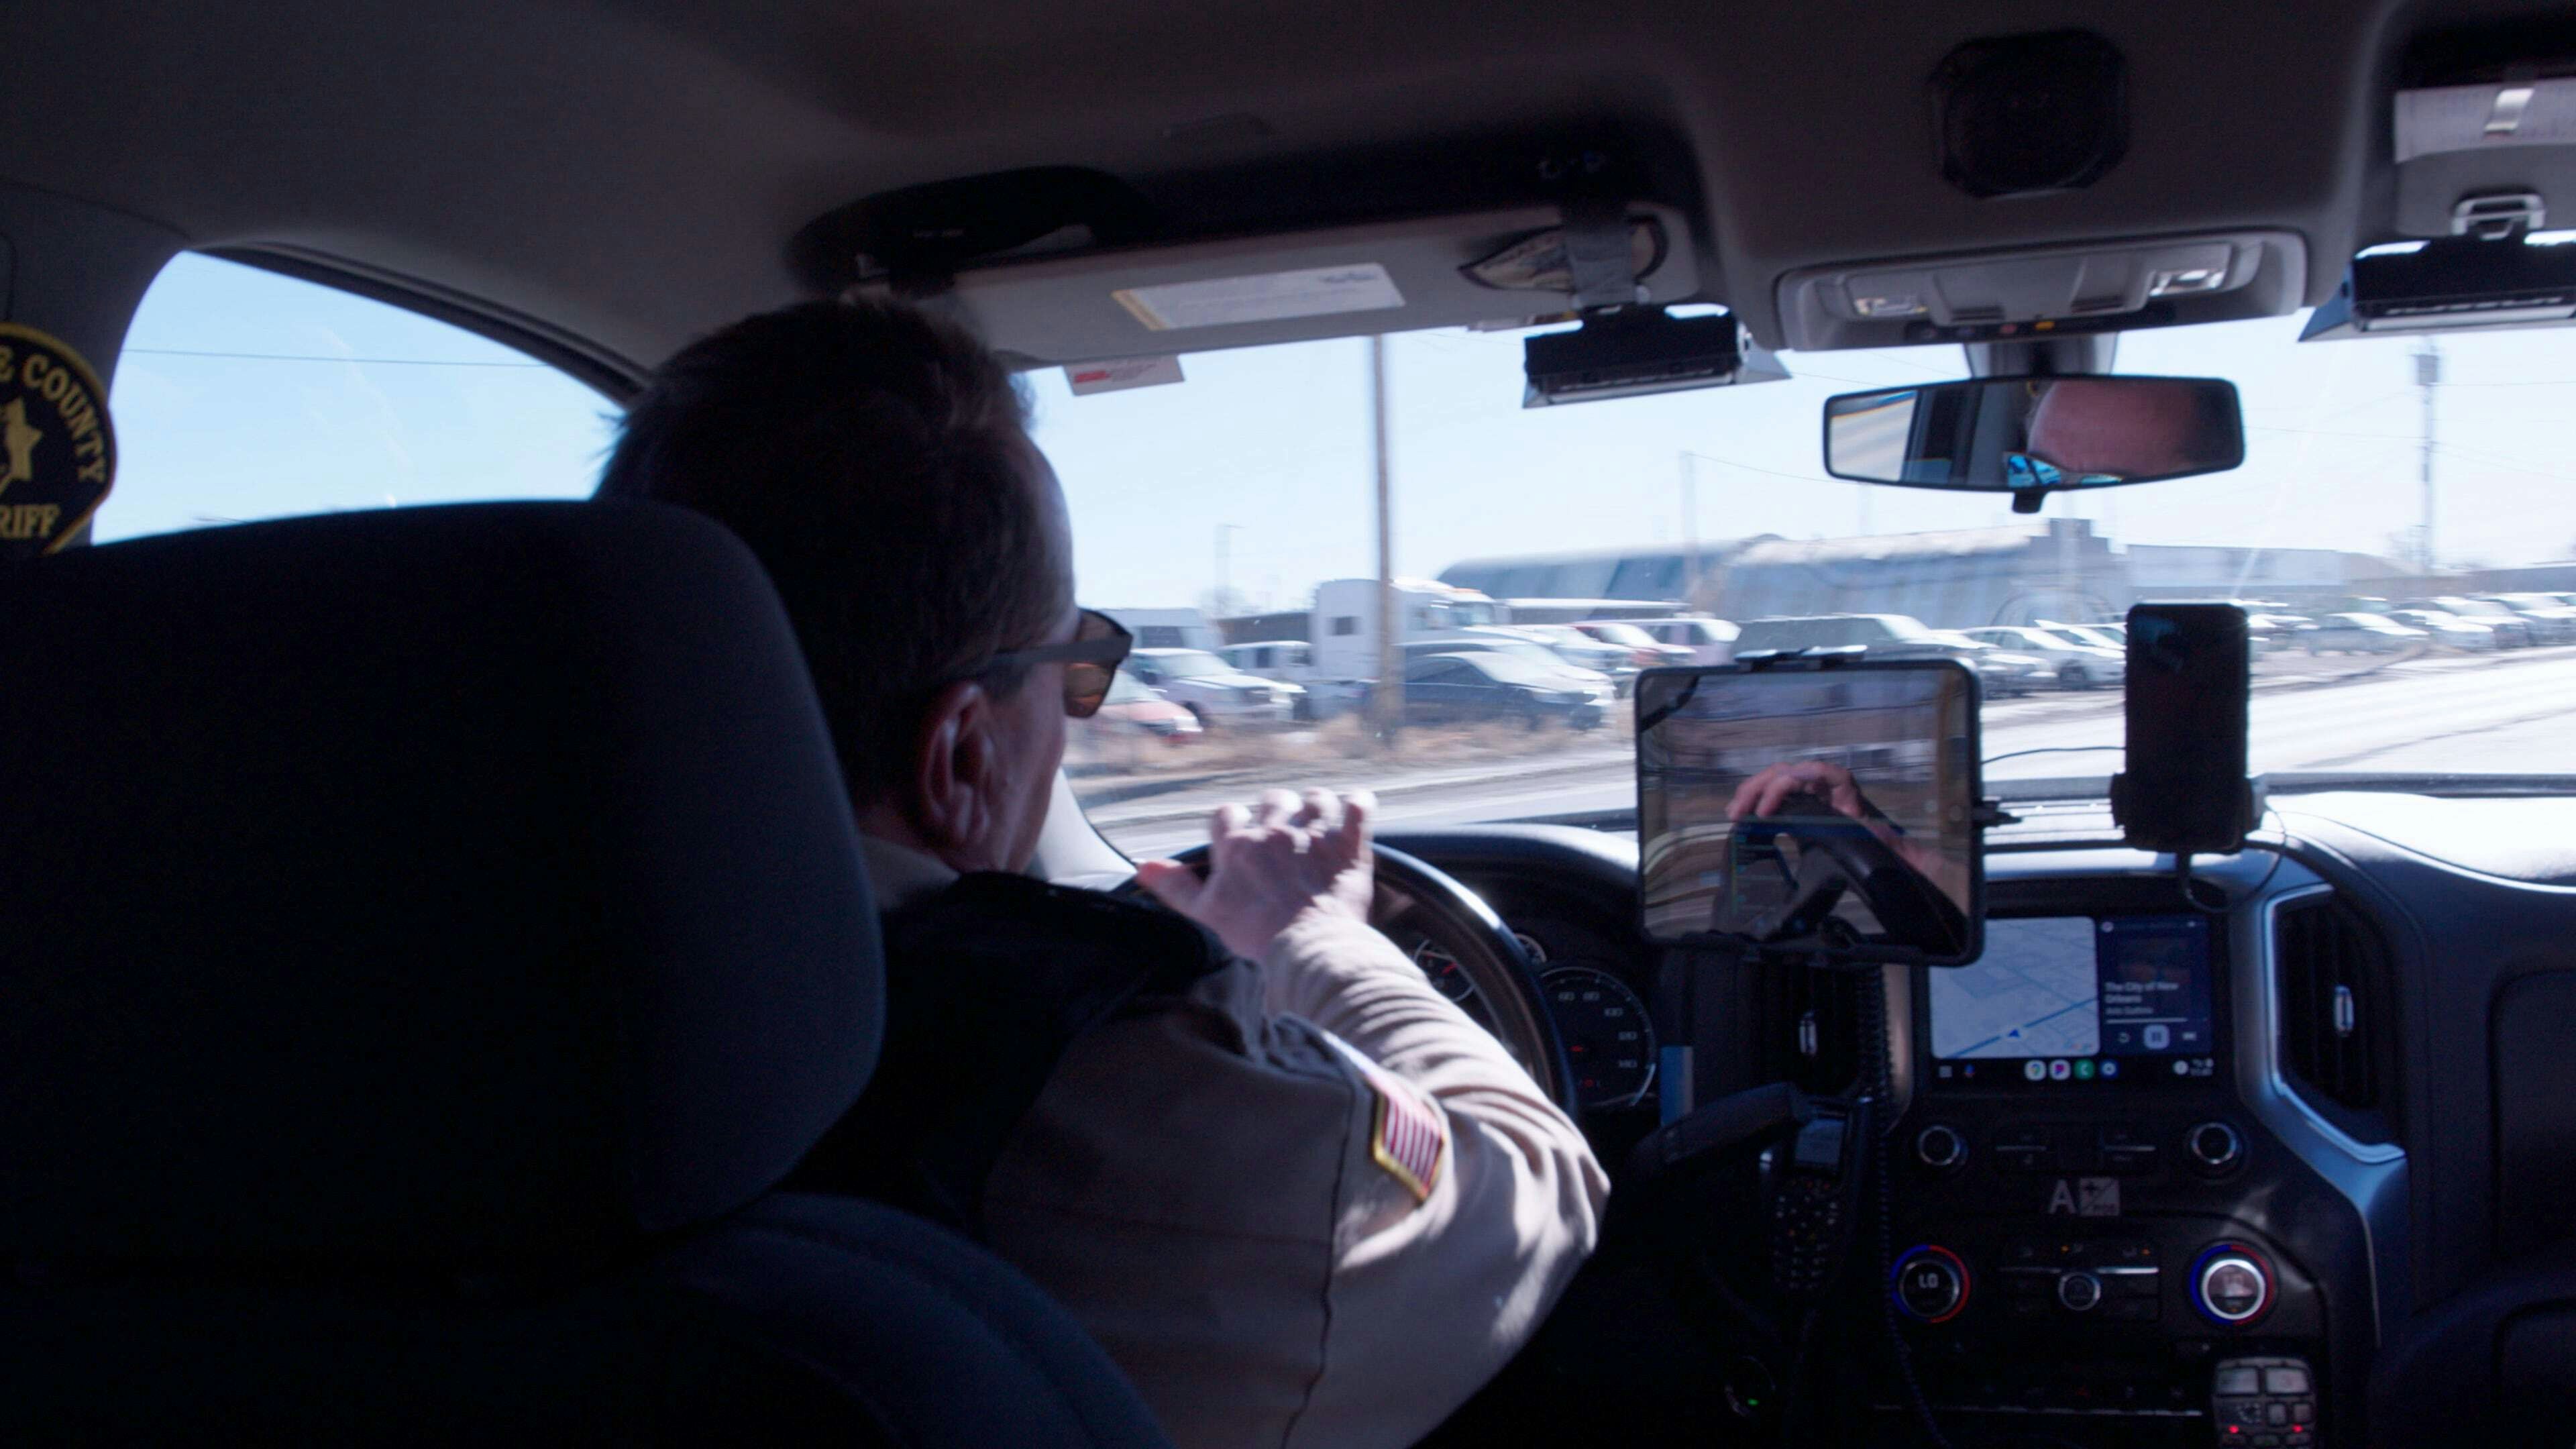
(2045, 291)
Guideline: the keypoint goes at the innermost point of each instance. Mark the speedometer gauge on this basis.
(1443, 970)
(1607, 1036)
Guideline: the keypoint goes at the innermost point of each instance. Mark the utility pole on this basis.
(1690, 529)
(1223, 602)
(1388, 696)
(2428, 375)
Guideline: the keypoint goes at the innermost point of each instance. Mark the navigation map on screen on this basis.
(2065, 990)
(2032, 995)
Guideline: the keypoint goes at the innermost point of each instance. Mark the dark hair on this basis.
(875, 457)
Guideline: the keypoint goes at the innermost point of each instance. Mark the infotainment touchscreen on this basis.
(2078, 998)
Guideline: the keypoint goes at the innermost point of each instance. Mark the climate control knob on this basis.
(1930, 1284)
(2079, 1292)
(2231, 1284)
(2214, 1147)
(1940, 1147)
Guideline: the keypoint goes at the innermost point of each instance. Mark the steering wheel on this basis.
(1502, 995)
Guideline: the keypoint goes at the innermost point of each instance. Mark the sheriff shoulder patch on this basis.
(1407, 1138)
(57, 452)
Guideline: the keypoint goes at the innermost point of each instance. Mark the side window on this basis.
(242, 395)
(1345, 625)
(1160, 636)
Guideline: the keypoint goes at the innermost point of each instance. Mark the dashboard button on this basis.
(2290, 1380)
(2130, 1310)
(2079, 1292)
(2215, 1147)
(2235, 1379)
(1940, 1147)
(2026, 1149)
(2231, 1285)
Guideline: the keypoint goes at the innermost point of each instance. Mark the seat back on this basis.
(426, 939)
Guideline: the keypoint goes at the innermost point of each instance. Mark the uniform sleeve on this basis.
(1283, 1237)
(1436, 1283)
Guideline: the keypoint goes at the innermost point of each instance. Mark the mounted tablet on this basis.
(1812, 808)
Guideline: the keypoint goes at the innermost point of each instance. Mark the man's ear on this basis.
(955, 781)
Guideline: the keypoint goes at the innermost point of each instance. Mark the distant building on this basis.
(2292, 575)
(1963, 578)
(2015, 573)
(1662, 572)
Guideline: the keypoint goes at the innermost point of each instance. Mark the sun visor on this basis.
(2045, 291)
(1503, 266)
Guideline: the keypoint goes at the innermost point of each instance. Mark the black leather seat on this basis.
(426, 938)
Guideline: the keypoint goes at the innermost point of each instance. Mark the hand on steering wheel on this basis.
(1265, 872)
(1260, 873)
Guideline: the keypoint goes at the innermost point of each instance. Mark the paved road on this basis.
(2511, 713)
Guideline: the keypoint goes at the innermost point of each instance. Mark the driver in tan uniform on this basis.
(1303, 1201)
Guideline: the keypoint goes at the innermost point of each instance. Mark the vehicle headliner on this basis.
(627, 173)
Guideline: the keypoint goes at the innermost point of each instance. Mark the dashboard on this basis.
(2233, 1167)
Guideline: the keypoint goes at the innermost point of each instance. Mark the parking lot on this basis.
(2428, 713)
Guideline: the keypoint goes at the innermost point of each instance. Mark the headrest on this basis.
(445, 885)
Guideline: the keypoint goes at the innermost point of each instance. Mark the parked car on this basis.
(2447, 630)
(1889, 636)
(1517, 645)
(2272, 633)
(2001, 672)
(2552, 621)
(1292, 661)
(2512, 630)
(1644, 649)
(2362, 634)
(1134, 723)
(1219, 694)
(1615, 662)
(2112, 634)
(1471, 686)
(1710, 641)
(2075, 663)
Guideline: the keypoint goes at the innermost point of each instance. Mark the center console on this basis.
(2096, 1241)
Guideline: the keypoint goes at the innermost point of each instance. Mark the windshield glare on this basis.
(1245, 498)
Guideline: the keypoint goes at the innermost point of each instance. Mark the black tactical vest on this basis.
(987, 983)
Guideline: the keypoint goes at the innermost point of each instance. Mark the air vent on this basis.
(2334, 1001)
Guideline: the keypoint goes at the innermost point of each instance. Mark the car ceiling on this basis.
(630, 174)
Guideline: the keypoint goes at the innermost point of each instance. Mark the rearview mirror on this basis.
(2033, 436)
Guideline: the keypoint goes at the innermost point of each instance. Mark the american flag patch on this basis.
(1407, 1138)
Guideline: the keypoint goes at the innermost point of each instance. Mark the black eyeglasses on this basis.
(1091, 661)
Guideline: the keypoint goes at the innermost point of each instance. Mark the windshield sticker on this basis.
(1265, 297)
(1086, 378)
(57, 452)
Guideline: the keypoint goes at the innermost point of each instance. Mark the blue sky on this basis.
(351, 404)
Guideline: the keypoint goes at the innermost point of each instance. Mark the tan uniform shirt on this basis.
(1230, 1193)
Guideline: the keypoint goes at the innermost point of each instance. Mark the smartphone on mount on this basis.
(2184, 788)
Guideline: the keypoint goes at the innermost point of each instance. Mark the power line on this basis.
(318, 357)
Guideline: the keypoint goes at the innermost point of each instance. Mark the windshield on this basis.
(1627, 634)
(1245, 496)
